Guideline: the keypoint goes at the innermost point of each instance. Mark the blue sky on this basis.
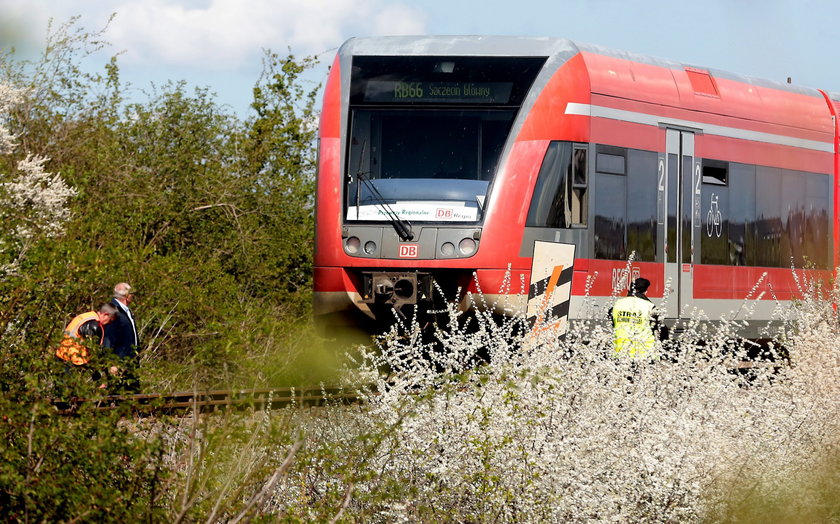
(218, 43)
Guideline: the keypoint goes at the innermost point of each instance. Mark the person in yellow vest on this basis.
(85, 327)
(635, 324)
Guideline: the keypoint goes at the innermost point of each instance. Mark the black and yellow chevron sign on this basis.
(549, 295)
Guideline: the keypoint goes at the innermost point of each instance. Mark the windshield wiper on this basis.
(402, 227)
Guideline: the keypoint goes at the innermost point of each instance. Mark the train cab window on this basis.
(580, 176)
(560, 197)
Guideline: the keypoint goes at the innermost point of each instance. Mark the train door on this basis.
(679, 218)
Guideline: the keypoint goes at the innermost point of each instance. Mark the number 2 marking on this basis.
(661, 174)
(697, 178)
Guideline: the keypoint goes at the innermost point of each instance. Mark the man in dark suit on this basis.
(121, 336)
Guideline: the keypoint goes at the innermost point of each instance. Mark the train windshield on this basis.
(427, 133)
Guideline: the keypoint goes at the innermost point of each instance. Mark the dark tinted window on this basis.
(769, 217)
(671, 240)
(715, 172)
(580, 185)
(610, 212)
(625, 191)
(793, 221)
(610, 164)
(802, 227)
(560, 197)
(611, 159)
(768, 224)
(641, 204)
(427, 143)
(548, 204)
(817, 225)
(715, 214)
(688, 193)
(741, 215)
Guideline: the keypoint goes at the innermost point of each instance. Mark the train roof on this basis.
(533, 46)
(619, 73)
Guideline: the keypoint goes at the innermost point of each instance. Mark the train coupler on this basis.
(396, 288)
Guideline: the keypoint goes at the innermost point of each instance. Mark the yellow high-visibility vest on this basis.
(71, 349)
(634, 337)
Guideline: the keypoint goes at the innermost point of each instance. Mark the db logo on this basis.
(443, 213)
(408, 250)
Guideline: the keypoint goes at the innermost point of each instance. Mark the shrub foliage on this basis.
(208, 215)
(211, 218)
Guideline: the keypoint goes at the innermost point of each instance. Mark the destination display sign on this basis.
(391, 91)
(420, 211)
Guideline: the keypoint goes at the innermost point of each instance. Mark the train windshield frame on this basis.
(427, 133)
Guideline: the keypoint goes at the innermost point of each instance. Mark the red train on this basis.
(443, 159)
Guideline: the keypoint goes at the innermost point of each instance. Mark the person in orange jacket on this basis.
(87, 326)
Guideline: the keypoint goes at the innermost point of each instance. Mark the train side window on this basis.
(715, 245)
(741, 233)
(610, 227)
(715, 172)
(817, 226)
(560, 197)
(768, 217)
(793, 211)
(641, 204)
(610, 192)
(610, 159)
(580, 176)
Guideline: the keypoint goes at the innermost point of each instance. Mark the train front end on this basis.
(411, 143)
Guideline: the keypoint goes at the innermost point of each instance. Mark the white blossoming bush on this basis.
(9, 98)
(32, 201)
(558, 431)
(38, 199)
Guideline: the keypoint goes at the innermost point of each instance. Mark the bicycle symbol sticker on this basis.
(714, 218)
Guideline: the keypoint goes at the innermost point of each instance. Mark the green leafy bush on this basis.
(207, 215)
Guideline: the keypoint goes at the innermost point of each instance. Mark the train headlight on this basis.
(447, 249)
(370, 247)
(352, 245)
(467, 246)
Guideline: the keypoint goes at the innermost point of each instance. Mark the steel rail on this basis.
(211, 400)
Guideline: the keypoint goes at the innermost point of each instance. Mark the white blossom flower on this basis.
(561, 432)
(37, 199)
(33, 201)
(9, 98)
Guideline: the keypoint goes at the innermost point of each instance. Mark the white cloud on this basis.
(219, 34)
(22, 24)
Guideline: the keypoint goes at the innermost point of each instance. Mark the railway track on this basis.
(210, 400)
(204, 401)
